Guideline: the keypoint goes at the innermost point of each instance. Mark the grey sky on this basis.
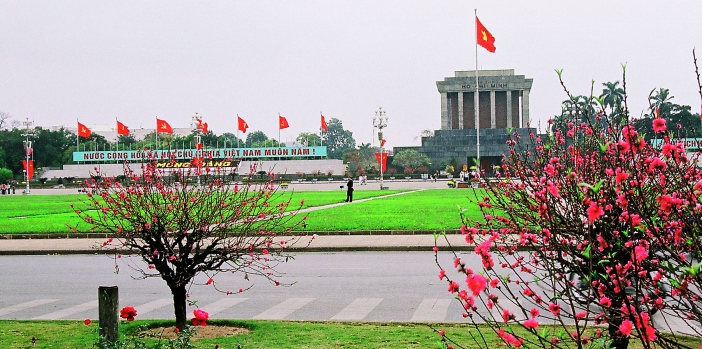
(134, 60)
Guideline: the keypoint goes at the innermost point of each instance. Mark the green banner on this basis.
(216, 153)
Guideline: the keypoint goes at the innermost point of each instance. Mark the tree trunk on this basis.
(179, 306)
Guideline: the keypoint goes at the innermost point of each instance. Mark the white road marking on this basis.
(358, 309)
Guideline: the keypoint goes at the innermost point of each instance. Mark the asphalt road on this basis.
(368, 286)
(333, 286)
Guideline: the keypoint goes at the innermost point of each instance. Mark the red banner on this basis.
(30, 171)
(384, 162)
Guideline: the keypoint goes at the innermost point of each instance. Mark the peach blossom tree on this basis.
(590, 229)
(181, 229)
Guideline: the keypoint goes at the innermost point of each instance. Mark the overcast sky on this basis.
(134, 60)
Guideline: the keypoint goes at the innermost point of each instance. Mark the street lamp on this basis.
(380, 122)
(27, 151)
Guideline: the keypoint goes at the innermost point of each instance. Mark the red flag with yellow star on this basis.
(484, 39)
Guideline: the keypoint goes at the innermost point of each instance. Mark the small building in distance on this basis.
(503, 101)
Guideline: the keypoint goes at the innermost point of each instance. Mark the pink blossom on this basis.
(555, 309)
(494, 283)
(625, 328)
(477, 283)
(659, 125)
(453, 287)
(442, 274)
(581, 315)
(200, 318)
(531, 324)
(534, 312)
(507, 315)
(594, 212)
(640, 254)
(620, 176)
(605, 301)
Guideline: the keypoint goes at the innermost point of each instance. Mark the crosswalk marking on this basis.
(69, 311)
(153, 305)
(222, 304)
(283, 309)
(431, 310)
(358, 309)
(22, 306)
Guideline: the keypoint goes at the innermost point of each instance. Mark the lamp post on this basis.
(27, 151)
(380, 121)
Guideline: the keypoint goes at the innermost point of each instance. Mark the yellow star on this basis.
(484, 35)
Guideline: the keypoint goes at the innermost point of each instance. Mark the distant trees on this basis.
(410, 159)
(338, 140)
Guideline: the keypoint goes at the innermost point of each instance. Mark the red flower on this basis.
(128, 313)
(87, 322)
(477, 283)
(200, 318)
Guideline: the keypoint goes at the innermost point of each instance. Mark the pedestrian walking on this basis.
(349, 190)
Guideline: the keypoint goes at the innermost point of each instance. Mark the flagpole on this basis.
(117, 135)
(321, 140)
(156, 133)
(477, 94)
(237, 131)
(278, 130)
(77, 140)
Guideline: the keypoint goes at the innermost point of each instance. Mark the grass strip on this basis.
(272, 334)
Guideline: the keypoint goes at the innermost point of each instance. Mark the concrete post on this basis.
(444, 111)
(108, 313)
(460, 110)
(525, 109)
(493, 123)
(509, 109)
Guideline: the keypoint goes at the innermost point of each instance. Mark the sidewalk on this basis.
(326, 243)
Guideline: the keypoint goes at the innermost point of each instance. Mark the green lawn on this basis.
(270, 334)
(434, 209)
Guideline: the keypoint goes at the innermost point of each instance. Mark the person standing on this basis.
(349, 190)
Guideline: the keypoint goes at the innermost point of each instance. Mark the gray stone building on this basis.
(503, 104)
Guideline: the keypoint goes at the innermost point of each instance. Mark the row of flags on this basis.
(162, 126)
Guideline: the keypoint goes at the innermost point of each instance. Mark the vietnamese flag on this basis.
(282, 122)
(382, 160)
(324, 124)
(202, 126)
(29, 168)
(83, 131)
(484, 39)
(242, 124)
(163, 127)
(122, 129)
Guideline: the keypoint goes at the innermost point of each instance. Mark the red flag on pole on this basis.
(202, 126)
(29, 167)
(242, 124)
(122, 129)
(324, 124)
(163, 127)
(83, 131)
(282, 122)
(382, 162)
(382, 143)
(485, 39)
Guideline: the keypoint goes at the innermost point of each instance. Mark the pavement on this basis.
(341, 241)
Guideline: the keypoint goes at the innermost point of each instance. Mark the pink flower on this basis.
(594, 212)
(442, 274)
(531, 324)
(442, 333)
(87, 322)
(620, 176)
(477, 283)
(534, 312)
(640, 254)
(605, 301)
(453, 287)
(581, 315)
(200, 318)
(659, 125)
(494, 283)
(626, 327)
(555, 309)
(507, 315)
(209, 281)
